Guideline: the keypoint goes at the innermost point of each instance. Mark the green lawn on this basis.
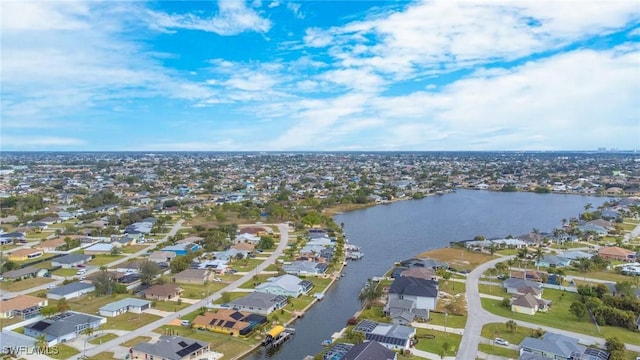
(24, 284)
(129, 321)
(90, 303)
(99, 260)
(452, 321)
(103, 338)
(560, 317)
(132, 249)
(374, 314)
(495, 290)
(195, 291)
(452, 287)
(169, 305)
(103, 356)
(601, 275)
(65, 272)
(436, 345)
(498, 350)
(136, 340)
(494, 330)
(64, 352)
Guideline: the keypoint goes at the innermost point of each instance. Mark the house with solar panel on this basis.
(557, 346)
(391, 336)
(170, 347)
(370, 350)
(229, 321)
(287, 285)
(63, 327)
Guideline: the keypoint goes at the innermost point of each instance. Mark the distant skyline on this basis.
(319, 75)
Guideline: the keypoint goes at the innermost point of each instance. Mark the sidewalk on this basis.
(428, 355)
(438, 328)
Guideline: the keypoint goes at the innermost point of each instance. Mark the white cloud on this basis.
(295, 9)
(273, 4)
(233, 17)
(40, 141)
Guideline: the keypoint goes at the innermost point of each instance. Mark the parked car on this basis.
(501, 341)
(81, 265)
(52, 286)
(185, 323)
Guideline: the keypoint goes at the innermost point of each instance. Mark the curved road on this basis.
(284, 239)
(478, 317)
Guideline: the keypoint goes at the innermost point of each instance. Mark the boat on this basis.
(327, 342)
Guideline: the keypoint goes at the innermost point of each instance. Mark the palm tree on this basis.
(492, 248)
(584, 265)
(539, 256)
(41, 342)
(88, 331)
(511, 325)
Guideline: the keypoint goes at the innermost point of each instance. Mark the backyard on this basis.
(24, 284)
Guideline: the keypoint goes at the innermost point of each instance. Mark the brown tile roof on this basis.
(53, 243)
(162, 290)
(24, 252)
(243, 246)
(20, 302)
(615, 251)
(419, 272)
(197, 274)
(223, 317)
(526, 300)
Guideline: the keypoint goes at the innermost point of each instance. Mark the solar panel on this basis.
(229, 324)
(189, 349)
(365, 326)
(183, 344)
(597, 353)
(40, 326)
(236, 315)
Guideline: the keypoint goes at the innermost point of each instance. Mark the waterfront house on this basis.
(24, 273)
(287, 285)
(617, 253)
(22, 306)
(393, 337)
(163, 292)
(70, 291)
(229, 321)
(123, 306)
(423, 292)
(305, 268)
(71, 260)
(171, 348)
(370, 350)
(64, 327)
(259, 303)
(426, 263)
(420, 273)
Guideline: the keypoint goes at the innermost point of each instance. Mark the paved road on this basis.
(108, 346)
(478, 317)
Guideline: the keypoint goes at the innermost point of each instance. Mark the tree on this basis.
(62, 305)
(104, 283)
(179, 264)
(356, 336)
(88, 331)
(578, 309)
(48, 311)
(41, 342)
(148, 271)
(616, 349)
(115, 250)
(265, 243)
(492, 248)
(583, 265)
(511, 325)
(539, 256)
(9, 265)
(225, 297)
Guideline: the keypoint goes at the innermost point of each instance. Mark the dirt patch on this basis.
(458, 258)
(175, 322)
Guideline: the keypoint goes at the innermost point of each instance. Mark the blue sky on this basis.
(320, 75)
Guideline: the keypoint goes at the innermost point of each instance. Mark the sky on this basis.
(271, 75)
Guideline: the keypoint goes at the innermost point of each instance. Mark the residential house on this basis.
(194, 276)
(427, 263)
(129, 267)
(513, 284)
(99, 249)
(64, 327)
(181, 249)
(162, 256)
(246, 238)
(259, 303)
(556, 346)
(229, 321)
(24, 254)
(553, 261)
(420, 273)
(287, 285)
(393, 337)
(305, 268)
(245, 247)
(163, 292)
(229, 255)
(11, 237)
(370, 350)
(592, 228)
(22, 306)
(423, 292)
(218, 266)
(254, 230)
(125, 305)
(50, 245)
(576, 254)
(70, 291)
(123, 241)
(71, 260)
(24, 273)
(171, 348)
(617, 253)
(528, 304)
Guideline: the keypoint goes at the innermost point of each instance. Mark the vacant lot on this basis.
(99, 260)
(103, 356)
(494, 330)
(103, 338)
(442, 344)
(136, 340)
(24, 284)
(458, 258)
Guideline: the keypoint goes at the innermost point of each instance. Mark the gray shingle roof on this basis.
(71, 288)
(370, 350)
(171, 347)
(72, 258)
(63, 324)
(414, 286)
(554, 343)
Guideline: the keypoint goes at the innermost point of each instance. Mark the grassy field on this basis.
(64, 352)
(437, 344)
(195, 291)
(24, 284)
(458, 258)
(136, 340)
(132, 249)
(65, 272)
(99, 260)
(103, 338)
(103, 356)
(129, 321)
(169, 305)
(498, 350)
(90, 303)
(560, 317)
(452, 321)
(601, 275)
(494, 330)
(7, 322)
(452, 287)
